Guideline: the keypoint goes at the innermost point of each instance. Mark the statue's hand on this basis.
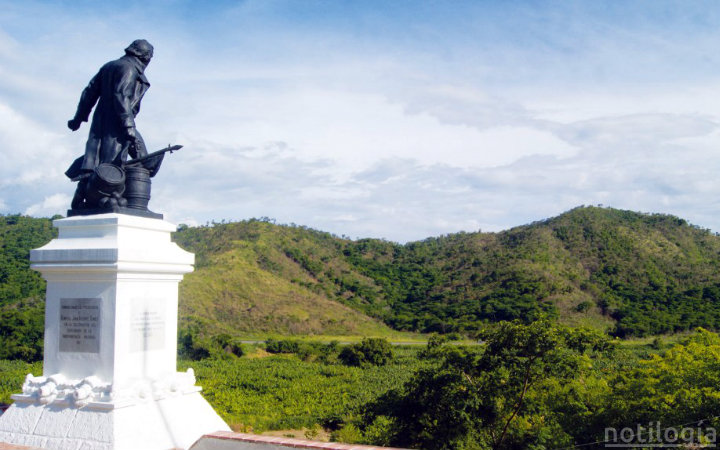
(74, 124)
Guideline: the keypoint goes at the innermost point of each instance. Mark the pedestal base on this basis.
(110, 379)
(170, 423)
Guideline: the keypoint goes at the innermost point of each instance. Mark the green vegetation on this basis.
(22, 291)
(305, 350)
(545, 386)
(549, 301)
(627, 273)
(487, 397)
(21, 331)
(12, 376)
(680, 385)
(255, 277)
(194, 347)
(369, 352)
(282, 346)
(19, 234)
(287, 392)
(528, 386)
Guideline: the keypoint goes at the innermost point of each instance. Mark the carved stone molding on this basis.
(93, 393)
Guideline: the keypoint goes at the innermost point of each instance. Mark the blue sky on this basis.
(397, 120)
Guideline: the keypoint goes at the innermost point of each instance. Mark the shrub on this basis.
(282, 346)
(195, 347)
(349, 434)
(372, 351)
(229, 344)
(191, 347)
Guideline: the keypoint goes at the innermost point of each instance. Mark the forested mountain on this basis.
(641, 274)
(631, 273)
(626, 272)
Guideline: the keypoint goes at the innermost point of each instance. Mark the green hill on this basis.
(255, 277)
(630, 273)
(634, 273)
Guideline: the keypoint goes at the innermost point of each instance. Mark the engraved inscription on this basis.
(147, 325)
(80, 325)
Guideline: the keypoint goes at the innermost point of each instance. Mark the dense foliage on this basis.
(287, 392)
(540, 386)
(630, 273)
(527, 387)
(678, 386)
(12, 376)
(22, 291)
(19, 234)
(371, 351)
(305, 350)
(475, 397)
(195, 347)
(21, 331)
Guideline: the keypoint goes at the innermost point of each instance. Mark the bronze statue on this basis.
(104, 172)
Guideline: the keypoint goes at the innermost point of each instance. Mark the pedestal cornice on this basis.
(112, 243)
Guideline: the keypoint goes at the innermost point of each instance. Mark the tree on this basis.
(680, 386)
(372, 351)
(21, 332)
(480, 398)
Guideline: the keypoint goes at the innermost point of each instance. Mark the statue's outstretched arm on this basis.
(88, 99)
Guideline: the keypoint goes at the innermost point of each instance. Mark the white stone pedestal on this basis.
(109, 376)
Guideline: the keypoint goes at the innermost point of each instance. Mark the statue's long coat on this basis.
(117, 89)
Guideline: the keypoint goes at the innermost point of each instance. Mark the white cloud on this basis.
(49, 206)
(351, 129)
(636, 130)
(462, 104)
(33, 162)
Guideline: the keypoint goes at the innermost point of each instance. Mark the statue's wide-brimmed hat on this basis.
(140, 48)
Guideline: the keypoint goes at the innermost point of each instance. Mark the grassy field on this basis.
(311, 394)
(261, 392)
(12, 376)
(281, 392)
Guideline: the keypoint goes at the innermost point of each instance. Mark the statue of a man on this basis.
(117, 89)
